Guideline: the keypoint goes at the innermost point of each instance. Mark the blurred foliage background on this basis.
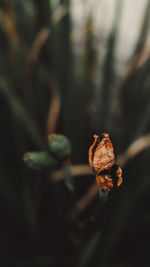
(52, 80)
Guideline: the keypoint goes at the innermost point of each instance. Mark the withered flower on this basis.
(102, 160)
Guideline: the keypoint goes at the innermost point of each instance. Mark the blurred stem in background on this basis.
(144, 30)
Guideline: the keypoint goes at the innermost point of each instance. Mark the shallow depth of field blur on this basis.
(76, 68)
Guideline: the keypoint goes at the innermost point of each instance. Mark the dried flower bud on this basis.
(102, 160)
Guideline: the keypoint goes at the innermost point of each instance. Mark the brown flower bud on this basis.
(102, 160)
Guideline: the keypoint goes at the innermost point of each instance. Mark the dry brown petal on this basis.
(119, 175)
(101, 153)
(103, 183)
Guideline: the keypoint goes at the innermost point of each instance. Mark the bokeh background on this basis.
(74, 67)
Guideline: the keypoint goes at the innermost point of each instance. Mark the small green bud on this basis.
(39, 160)
(59, 146)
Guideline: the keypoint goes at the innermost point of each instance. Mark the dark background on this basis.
(40, 67)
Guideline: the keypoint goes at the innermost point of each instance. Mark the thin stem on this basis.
(76, 171)
(135, 148)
